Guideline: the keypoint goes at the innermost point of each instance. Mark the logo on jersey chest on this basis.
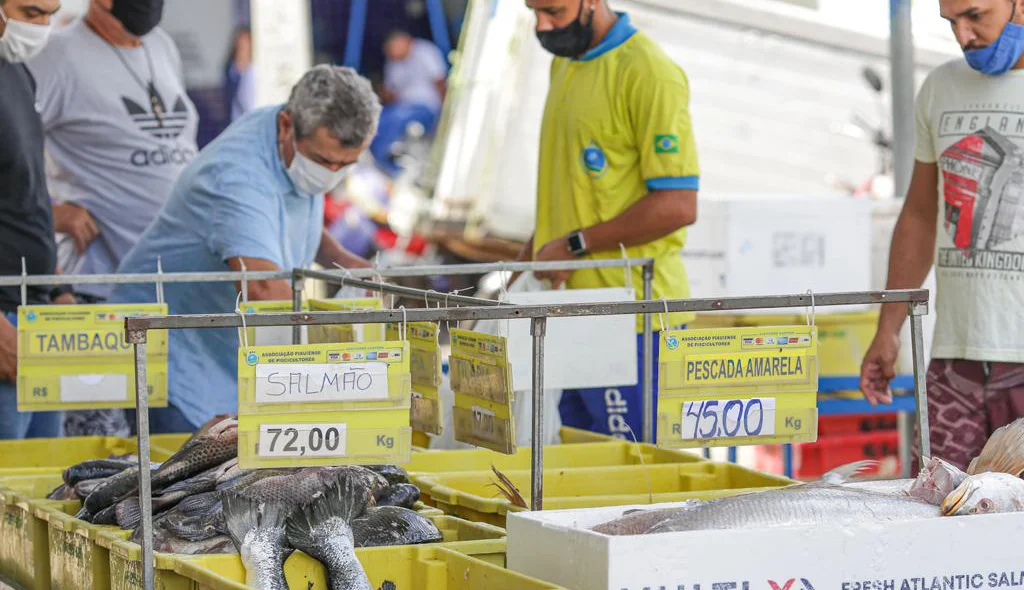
(594, 161)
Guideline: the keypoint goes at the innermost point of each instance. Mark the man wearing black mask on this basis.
(119, 130)
(618, 168)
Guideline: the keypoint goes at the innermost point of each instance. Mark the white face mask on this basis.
(22, 41)
(312, 178)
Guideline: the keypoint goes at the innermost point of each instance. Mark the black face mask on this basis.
(571, 40)
(138, 16)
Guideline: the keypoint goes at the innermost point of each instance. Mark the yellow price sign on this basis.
(481, 378)
(737, 386)
(426, 413)
(346, 332)
(76, 357)
(324, 404)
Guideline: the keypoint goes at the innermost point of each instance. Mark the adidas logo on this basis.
(169, 125)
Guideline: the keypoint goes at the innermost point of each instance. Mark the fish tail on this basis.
(844, 473)
(508, 489)
(1003, 453)
(321, 529)
(258, 531)
(129, 513)
(243, 514)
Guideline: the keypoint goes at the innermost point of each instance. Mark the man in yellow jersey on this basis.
(618, 166)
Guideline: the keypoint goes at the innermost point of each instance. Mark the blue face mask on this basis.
(999, 57)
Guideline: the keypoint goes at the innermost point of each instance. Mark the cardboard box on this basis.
(974, 552)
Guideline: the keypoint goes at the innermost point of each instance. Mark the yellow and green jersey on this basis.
(616, 127)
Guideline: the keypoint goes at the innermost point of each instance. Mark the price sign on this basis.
(271, 335)
(324, 404)
(425, 413)
(347, 332)
(482, 382)
(302, 440)
(76, 357)
(738, 386)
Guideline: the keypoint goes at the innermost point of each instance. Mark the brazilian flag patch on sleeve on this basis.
(666, 144)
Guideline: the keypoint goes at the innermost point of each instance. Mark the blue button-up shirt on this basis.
(234, 200)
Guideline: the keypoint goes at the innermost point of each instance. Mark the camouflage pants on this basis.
(967, 401)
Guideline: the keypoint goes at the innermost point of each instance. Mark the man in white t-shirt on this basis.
(415, 78)
(119, 130)
(964, 212)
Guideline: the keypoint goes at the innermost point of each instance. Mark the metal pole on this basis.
(920, 392)
(297, 304)
(434, 296)
(537, 329)
(904, 425)
(648, 354)
(901, 57)
(138, 338)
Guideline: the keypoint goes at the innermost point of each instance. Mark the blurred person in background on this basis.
(120, 128)
(963, 213)
(415, 82)
(254, 196)
(239, 81)
(618, 167)
(26, 223)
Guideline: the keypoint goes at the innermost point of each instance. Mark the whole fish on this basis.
(404, 495)
(297, 488)
(95, 469)
(986, 493)
(63, 492)
(640, 522)
(322, 529)
(387, 526)
(395, 474)
(200, 453)
(811, 504)
(115, 489)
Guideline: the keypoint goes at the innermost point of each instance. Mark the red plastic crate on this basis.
(812, 460)
(856, 423)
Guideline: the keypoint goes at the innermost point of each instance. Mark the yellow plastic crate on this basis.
(473, 495)
(570, 435)
(565, 456)
(481, 541)
(407, 568)
(843, 338)
(76, 559)
(24, 543)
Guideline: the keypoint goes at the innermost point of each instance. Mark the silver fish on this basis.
(811, 504)
(986, 493)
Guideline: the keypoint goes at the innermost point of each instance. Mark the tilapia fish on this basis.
(810, 504)
(257, 528)
(404, 495)
(322, 529)
(95, 469)
(200, 453)
(388, 526)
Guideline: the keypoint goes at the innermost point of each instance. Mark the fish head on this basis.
(985, 493)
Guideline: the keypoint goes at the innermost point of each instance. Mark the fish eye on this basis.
(985, 505)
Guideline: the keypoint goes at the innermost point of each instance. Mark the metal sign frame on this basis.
(137, 328)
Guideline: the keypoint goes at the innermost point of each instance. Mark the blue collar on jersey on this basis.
(620, 32)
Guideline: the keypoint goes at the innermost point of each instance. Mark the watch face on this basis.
(576, 243)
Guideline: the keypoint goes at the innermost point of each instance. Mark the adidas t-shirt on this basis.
(108, 150)
(972, 126)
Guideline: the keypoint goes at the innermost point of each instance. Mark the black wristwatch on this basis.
(577, 244)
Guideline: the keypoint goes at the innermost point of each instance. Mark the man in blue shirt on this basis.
(252, 196)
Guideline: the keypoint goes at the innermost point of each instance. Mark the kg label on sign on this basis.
(291, 383)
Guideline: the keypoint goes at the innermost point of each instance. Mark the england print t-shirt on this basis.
(972, 126)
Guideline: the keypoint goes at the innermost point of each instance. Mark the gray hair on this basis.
(337, 98)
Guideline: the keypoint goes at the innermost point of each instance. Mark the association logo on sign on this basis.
(672, 342)
(252, 359)
(31, 316)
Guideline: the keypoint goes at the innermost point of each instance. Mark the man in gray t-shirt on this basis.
(119, 129)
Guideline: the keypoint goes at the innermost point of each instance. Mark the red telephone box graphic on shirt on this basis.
(982, 177)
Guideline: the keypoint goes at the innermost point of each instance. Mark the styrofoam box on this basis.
(556, 547)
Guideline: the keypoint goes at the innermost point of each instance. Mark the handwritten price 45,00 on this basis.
(708, 419)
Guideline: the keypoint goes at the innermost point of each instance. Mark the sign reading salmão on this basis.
(323, 404)
(76, 357)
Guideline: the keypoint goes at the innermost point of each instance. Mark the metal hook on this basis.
(628, 269)
(810, 318)
(403, 331)
(245, 330)
(24, 281)
(159, 280)
(664, 316)
(245, 280)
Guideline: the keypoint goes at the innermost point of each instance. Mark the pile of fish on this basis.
(204, 503)
(991, 484)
